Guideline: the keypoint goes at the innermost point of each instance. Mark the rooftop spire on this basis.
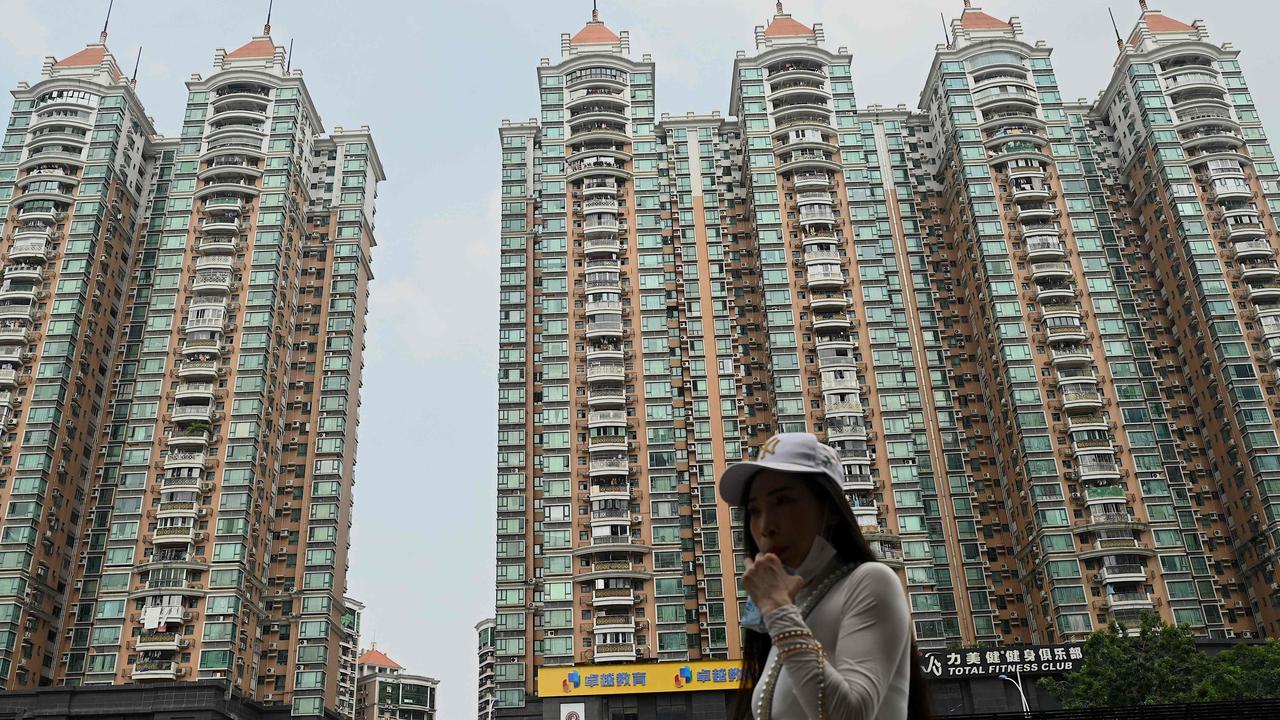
(133, 80)
(266, 28)
(1116, 28)
(780, 10)
(102, 36)
(595, 12)
(1143, 4)
(968, 4)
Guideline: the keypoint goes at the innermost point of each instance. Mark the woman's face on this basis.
(785, 517)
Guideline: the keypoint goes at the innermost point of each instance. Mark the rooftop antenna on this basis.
(102, 36)
(946, 35)
(288, 63)
(780, 10)
(266, 28)
(595, 12)
(1116, 28)
(967, 4)
(136, 62)
(1142, 4)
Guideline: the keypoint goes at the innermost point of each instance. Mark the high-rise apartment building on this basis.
(384, 691)
(183, 324)
(1036, 332)
(486, 660)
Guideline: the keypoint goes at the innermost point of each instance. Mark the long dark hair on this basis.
(851, 547)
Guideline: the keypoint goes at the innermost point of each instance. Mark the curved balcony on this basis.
(604, 597)
(602, 245)
(1029, 192)
(607, 466)
(1078, 397)
(193, 413)
(249, 132)
(155, 670)
(1042, 249)
(1252, 249)
(1128, 601)
(1211, 139)
(811, 181)
(34, 233)
(1086, 421)
(1006, 95)
(604, 187)
(824, 276)
(809, 109)
(40, 214)
(178, 509)
(188, 439)
(608, 444)
(811, 198)
(201, 346)
(212, 281)
(1035, 172)
(606, 370)
(1122, 573)
(234, 205)
(1050, 271)
(1070, 355)
(217, 244)
(602, 224)
(9, 377)
(1259, 270)
(836, 353)
(1053, 293)
(798, 161)
(839, 381)
(229, 170)
(827, 302)
(1043, 213)
(827, 322)
(1245, 229)
(606, 395)
(607, 418)
(1265, 290)
(175, 534)
(198, 370)
(1230, 189)
(221, 185)
(23, 273)
(1065, 333)
(56, 173)
(18, 294)
(604, 327)
(22, 311)
(1098, 472)
(15, 334)
(194, 391)
(599, 167)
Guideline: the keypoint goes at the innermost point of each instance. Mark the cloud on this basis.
(23, 33)
(435, 292)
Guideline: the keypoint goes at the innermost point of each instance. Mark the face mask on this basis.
(820, 553)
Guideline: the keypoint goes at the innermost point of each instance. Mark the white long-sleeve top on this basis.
(865, 630)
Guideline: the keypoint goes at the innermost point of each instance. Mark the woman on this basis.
(827, 632)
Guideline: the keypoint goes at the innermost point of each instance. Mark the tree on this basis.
(1161, 665)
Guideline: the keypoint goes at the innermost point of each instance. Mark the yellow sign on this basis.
(628, 678)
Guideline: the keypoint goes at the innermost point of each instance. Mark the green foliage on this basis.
(1161, 665)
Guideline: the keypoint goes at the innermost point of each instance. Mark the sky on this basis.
(434, 79)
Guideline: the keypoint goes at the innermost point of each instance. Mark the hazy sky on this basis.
(434, 79)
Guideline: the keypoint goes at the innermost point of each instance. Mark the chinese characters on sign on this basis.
(980, 662)
(639, 677)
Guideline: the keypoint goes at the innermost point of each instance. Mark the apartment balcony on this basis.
(20, 294)
(1055, 292)
(1245, 230)
(607, 466)
(14, 334)
(194, 391)
(23, 273)
(174, 460)
(811, 181)
(1100, 472)
(16, 312)
(27, 250)
(808, 161)
(1212, 139)
(198, 369)
(1042, 249)
(218, 226)
(1108, 521)
(601, 370)
(594, 227)
(1080, 397)
(8, 378)
(188, 439)
(1259, 270)
(604, 327)
(828, 302)
(1270, 326)
(208, 320)
(1070, 355)
(866, 514)
(824, 276)
(1128, 601)
(610, 516)
(841, 408)
(605, 395)
(610, 489)
(174, 535)
(816, 214)
(607, 245)
(604, 597)
(608, 308)
(838, 429)
(836, 353)
(212, 281)
(821, 255)
(831, 321)
(607, 418)
(225, 204)
(1065, 333)
(612, 623)
(597, 167)
(192, 413)
(599, 188)
(159, 641)
(1231, 190)
(14, 355)
(178, 508)
(1247, 249)
(1122, 573)
(875, 532)
(1265, 290)
(1050, 271)
(1033, 214)
(837, 381)
(1011, 96)
(1033, 172)
(614, 652)
(155, 670)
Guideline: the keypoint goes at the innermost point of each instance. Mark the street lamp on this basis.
(1018, 684)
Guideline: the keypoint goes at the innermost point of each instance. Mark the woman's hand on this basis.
(769, 584)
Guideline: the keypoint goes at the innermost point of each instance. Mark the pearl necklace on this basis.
(764, 706)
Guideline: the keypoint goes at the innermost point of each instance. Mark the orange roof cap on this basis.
(87, 57)
(374, 656)
(786, 26)
(261, 47)
(595, 33)
(978, 20)
(1165, 24)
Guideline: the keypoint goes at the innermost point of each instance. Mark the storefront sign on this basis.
(985, 662)
(639, 678)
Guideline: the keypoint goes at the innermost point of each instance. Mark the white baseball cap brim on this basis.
(736, 479)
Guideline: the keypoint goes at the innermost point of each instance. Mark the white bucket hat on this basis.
(786, 452)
